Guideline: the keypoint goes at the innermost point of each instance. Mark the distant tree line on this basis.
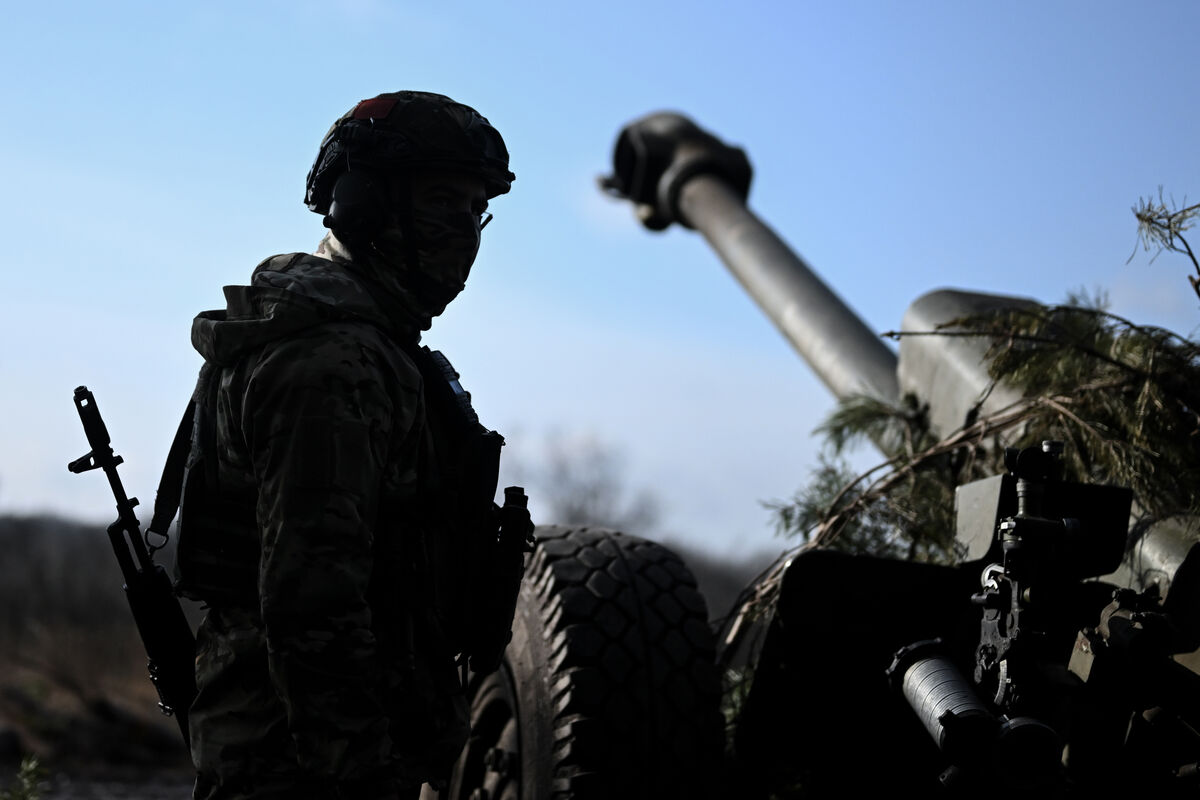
(62, 604)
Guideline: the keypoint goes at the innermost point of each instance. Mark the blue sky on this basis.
(154, 152)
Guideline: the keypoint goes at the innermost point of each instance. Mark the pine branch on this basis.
(978, 431)
(1160, 228)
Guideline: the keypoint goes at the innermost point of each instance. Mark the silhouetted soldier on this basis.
(337, 476)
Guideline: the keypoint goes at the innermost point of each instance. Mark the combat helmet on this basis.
(393, 133)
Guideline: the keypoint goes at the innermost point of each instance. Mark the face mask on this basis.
(435, 268)
(447, 244)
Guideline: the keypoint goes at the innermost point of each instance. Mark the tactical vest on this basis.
(458, 515)
(455, 514)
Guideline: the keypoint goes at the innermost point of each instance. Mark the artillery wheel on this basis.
(609, 687)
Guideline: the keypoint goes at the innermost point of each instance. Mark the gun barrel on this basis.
(93, 425)
(847, 356)
(675, 172)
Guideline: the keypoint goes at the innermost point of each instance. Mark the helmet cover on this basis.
(398, 132)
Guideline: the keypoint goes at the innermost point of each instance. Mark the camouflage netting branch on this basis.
(1161, 228)
(1125, 398)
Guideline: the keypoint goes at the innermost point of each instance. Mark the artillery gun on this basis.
(1057, 656)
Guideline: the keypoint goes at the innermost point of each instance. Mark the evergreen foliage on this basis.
(1125, 398)
(1161, 228)
(30, 778)
(903, 508)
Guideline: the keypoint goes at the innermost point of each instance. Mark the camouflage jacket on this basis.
(316, 418)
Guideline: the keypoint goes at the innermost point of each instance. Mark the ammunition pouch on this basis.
(474, 573)
(495, 600)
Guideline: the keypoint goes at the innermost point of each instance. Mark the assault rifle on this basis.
(165, 632)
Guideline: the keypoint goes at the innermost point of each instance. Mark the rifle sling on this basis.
(170, 486)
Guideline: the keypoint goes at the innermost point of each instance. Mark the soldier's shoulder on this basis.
(280, 262)
(349, 349)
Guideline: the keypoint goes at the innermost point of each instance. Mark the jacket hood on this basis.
(287, 294)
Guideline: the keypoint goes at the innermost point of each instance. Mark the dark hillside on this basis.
(73, 684)
(721, 580)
